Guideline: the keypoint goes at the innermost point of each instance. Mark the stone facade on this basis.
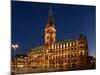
(55, 55)
(70, 54)
(64, 55)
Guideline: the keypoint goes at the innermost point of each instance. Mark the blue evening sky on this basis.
(29, 20)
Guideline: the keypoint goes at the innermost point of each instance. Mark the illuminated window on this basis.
(60, 45)
(64, 55)
(83, 52)
(74, 43)
(55, 46)
(80, 53)
(52, 57)
(64, 45)
(18, 58)
(70, 44)
(67, 44)
(49, 47)
(52, 46)
(73, 54)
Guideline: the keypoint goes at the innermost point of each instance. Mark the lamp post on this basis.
(15, 46)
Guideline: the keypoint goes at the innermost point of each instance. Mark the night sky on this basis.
(29, 20)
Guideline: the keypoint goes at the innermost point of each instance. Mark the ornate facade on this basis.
(57, 55)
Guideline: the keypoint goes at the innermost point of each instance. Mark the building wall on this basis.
(61, 55)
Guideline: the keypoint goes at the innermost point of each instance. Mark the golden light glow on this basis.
(83, 52)
(70, 43)
(52, 46)
(73, 43)
(64, 45)
(55, 46)
(60, 45)
(67, 44)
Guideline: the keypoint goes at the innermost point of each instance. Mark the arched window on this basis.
(58, 45)
(73, 43)
(55, 46)
(67, 44)
(52, 46)
(61, 45)
(70, 44)
(83, 52)
(64, 45)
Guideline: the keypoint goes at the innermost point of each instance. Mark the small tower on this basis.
(50, 30)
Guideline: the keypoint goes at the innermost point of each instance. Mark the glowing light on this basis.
(14, 46)
(58, 46)
(67, 44)
(70, 43)
(64, 45)
(61, 46)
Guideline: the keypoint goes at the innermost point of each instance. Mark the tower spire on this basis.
(50, 19)
(50, 11)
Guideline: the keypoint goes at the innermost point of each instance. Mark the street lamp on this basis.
(15, 46)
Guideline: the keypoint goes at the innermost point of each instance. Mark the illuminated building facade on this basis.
(58, 55)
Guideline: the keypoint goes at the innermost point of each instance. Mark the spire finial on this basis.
(50, 19)
(50, 12)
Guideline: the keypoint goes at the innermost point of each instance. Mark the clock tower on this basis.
(50, 30)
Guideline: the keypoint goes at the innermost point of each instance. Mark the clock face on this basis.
(47, 37)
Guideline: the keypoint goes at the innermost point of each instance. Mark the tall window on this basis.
(70, 44)
(64, 45)
(52, 46)
(55, 46)
(73, 43)
(83, 52)
(67, 44)
(58, 46)
(61, 45)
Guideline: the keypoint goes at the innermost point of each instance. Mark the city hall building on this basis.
(56, 55)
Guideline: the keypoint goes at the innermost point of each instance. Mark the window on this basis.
(71, 55)
(46, 58)
(68, 55)
(65, 55)
(55, 46)
(60, 45)
(67, 44)
(65, 61)
(79, 52)
(71, 48)
(68, 49)
(70, 44)
(83, 52)
(64, 45)
(74, 43)
(75, 54)
(52, 46)
(65, 49)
